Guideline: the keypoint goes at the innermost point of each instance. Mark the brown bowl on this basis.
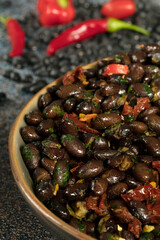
(58, 227)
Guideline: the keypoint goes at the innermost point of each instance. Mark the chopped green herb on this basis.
(81, 226)
(51, 130)
(134, 159)
(95, 103)
(66, 175)
(149, 170)
(130, 89)
(147, 88)
(53, 135)
(152, 67)
(145, 236)
(123, 81)
(156, 232)
(57, 169)
(61, 113)
(27, 154)
(152, 199)
(67, 137)
(114, 206)
(117, 58)
(129, 118)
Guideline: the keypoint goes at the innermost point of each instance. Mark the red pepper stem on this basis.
(115, 25)
(4, 19)
(63, 3)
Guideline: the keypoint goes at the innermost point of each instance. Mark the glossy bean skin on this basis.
(44, 190)
(149, 235)
(142, 173)
(151, 110)
(54, 153)
(152, 145)
(113, 176)
(90, 169)
(150, 69)
(59, 209)
(153, 121)
(138, 56)
(33, 118)
(48, 164)
(137, 72)
(145, 159)
(117, 79)
(103, 155)
(138, 127)
(90, 73)
(100, 143)
(30, 134)
(31, 156)
(140, 211)
(84, 107)
(113, 102)
(67, 91)
(46, 127)
(99, 186)
(79, 225)
(44, 100)
(76, 192)
(151, 47)
(50, 142)
(40, 174)
(127, 235)
(67, 126)
(116, 190)
(102, 121)
(110, 89)
(61, 173)
(73, 145)
(69, 105)
(142, 90)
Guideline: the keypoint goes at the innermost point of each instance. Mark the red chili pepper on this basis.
(55, 12)
(100, 208)
(119, 8)
(116, 69)
(16, 34)
(82, 127)
(151, 195)
(88, 29)
(142, 104)
(72, 76)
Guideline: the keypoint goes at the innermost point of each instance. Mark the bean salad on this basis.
(92, 147)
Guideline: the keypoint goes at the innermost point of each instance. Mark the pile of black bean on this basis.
(43, 69)
(81, 169)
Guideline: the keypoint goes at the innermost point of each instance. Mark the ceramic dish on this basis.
(59, 228)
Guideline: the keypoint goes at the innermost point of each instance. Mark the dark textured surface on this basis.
(17, 221)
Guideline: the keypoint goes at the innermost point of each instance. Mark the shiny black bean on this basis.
(138, 56)
(151, 69)
(53, 110)
(46, 127)
(95, 106)
(153, 121)
(59, 209)
(145, 159)
(127, 235)
(147, 78)
(136, 72)
(48, 164)
(142, 90)
(113, 102)
(69, 105)
(44, 100)
(151, 110)
(113, 176)
(142, 173)
(79, 225)
(67, 126)
(88, 139)
(116, 190)
(50, 142)
(40, 174)
(138, 127)
(52, 90)
(151, 47)
(76, 192)
(93, 83)
(98, 95)
(67, 91)
(107, 236)
(104, 154)
(90, 73)
(100, 143)
(84, 107)
(99, 186)
(31, 156)
(33, 118)
(148, 236)
(90, 169)
(54, 153)
(73, 145)
(44, 190)
(30, 134)
(61, 173)
(102, 121)
(140, 211)
(111, 89)
(152, 145)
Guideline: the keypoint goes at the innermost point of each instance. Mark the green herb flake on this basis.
(56, 108)
(67, 137)
(51, 130)
(149, 170)
(27, 154)
(130, 89)
(129, 118)
(114, 206)
(147, 88)
(61, 113)
(57, 169)
(123, 81)
(152, 200)
(117, 58)
(66, 175)
(156, 232)
(110, 237)
(53, 135)
(95, 103)
(134, 159)
(145, 236)
(153, 67)
(81, 226)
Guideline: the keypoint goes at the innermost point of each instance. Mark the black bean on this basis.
(34, 87)
(59, 209)
(61, 173)
(103, 120)
(84, 107)
(33, 118)
(127, 235)
(138, 127)
(69, 105)
(152, 145)
(30, 134)
(48, 164)
(116, 190)
(140, 211)
(104, 154)
(153, 121)
(90, 169)
(67, 126)
(46, 127)
(76, 192)
(136, 72)
(53, 110)
(113, 176)
(40, 174)
(54, 153)
(99, 186)
(67, 91)
(138, 56)
(44, 190)
(44, 100)
(142, 173)
(31, 156)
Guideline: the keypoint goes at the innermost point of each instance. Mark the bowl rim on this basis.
(29, 196)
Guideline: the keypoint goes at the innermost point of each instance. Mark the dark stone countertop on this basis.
(17, 221)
